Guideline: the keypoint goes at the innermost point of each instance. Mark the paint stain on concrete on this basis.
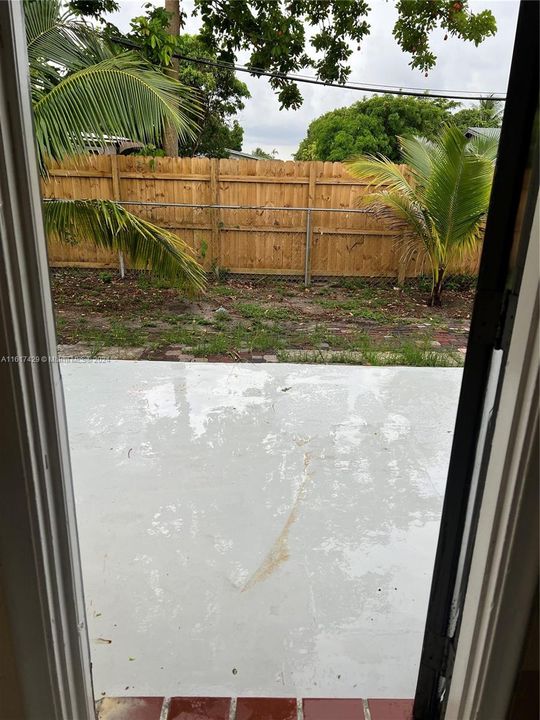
(279, 552)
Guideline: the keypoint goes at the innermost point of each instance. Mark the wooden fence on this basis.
(263, 240)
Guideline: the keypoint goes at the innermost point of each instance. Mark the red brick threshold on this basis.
(206, 708)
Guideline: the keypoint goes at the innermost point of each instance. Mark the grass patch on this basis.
(404, 355)
(252, 311)
(212, 345)
(116, 335)
(60, 323)
(365, 283)
(319, 335)
(319, 357)
(223, 290)
(414, 356)
(356, 308)
(238, 339)
(411, 355)
(145, 281)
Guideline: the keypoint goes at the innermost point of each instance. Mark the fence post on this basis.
(402, 269)
(309, 222)
(214, 248)
(307, 262)
(115, 176)
(403, 262)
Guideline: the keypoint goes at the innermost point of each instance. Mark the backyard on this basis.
(238, 319)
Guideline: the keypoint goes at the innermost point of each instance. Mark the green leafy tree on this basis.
(285, 36)
(93, 8)
(221, 93)
(83, 93)
(442, 202)
(488, 113)
(373, 126)
(418, 18)
(263, 155)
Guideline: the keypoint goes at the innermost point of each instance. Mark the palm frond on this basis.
(120, 96)
(457, 194)
(485, 147)
(417, 154)
(58, 42)
(409, 218)
(381, 172)
(109, 225)
(84, 93)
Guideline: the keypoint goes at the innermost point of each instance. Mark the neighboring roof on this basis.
(483, 132)
(110, 144)
(239, 154)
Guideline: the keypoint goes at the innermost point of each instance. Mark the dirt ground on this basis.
(240, 319)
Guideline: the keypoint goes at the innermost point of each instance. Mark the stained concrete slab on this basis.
(262, 530)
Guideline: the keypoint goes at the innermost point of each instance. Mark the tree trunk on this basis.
(170, 136)
(436, 300)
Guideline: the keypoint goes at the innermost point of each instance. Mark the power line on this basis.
(364, 87)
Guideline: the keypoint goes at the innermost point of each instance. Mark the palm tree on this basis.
(441, 200)
(84, 92)
(492, 111)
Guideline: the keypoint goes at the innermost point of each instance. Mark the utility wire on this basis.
(365, 87)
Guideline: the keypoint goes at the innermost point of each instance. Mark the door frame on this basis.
(506, 241)
(503, 578)
(40, 571)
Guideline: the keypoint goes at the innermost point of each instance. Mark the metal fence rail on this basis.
(309, 211)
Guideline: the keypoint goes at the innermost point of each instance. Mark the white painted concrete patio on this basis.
(258, 529)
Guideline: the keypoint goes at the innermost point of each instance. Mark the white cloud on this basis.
(460, 66)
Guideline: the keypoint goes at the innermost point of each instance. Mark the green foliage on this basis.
(116, 335)
(83, 92)
(221, 93)
(152, 152)
(418, 18)
(110, 226)
(355, 308)
(372, 126)
(285, 37)
(442, 205)
(488, 113)
(263, 155)
(150, 33)
(86, 106)
(92, 8)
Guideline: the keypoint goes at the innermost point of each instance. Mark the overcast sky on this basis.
(460, 66)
